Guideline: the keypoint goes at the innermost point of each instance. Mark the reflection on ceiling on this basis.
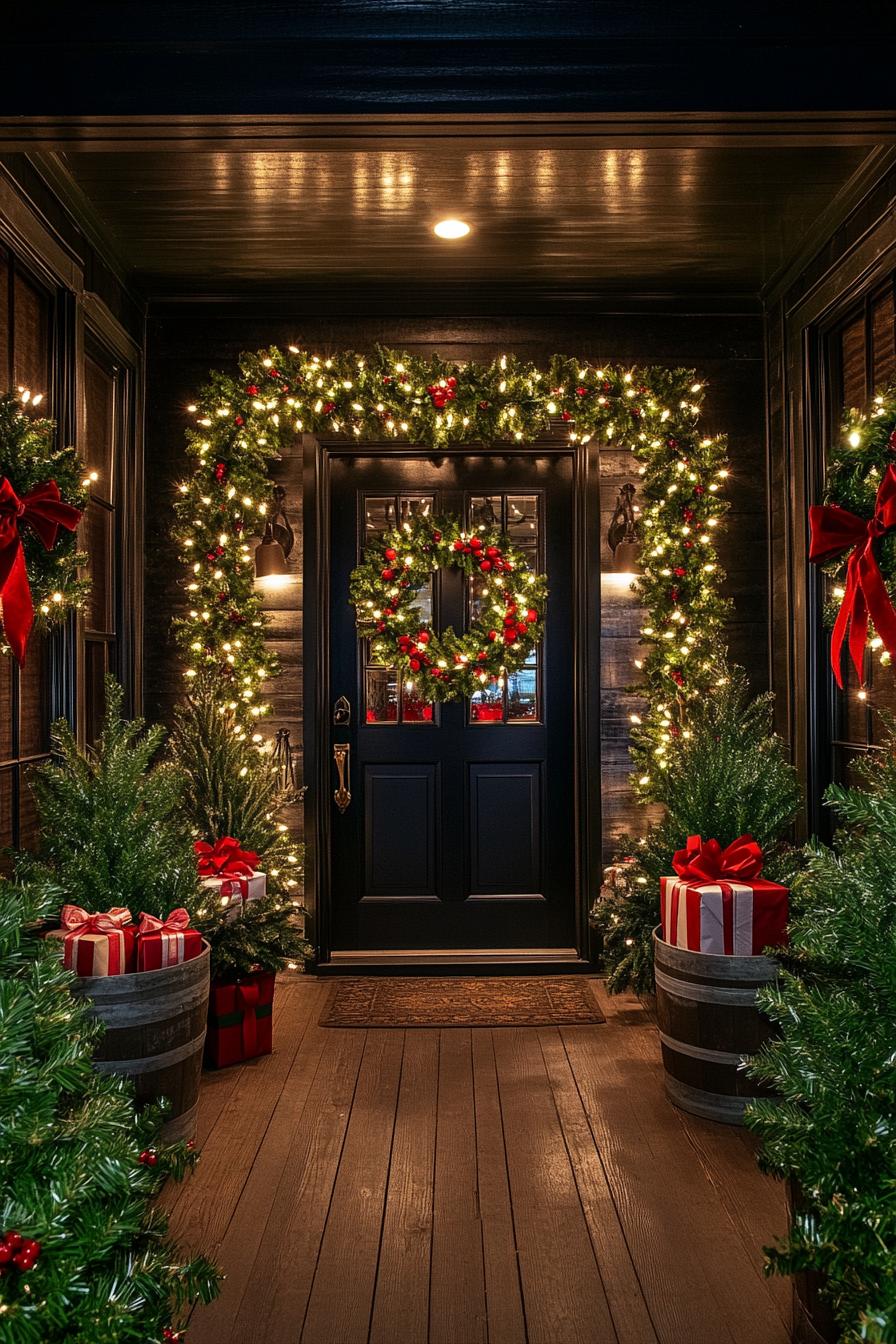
(667, 220)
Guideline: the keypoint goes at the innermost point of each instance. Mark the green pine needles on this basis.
(834, 1064)
(71, 1176)
(235, 790)
(729, 775)
(113, 831)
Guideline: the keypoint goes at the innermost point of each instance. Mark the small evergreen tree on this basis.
(78, 1168)
(113, 830)
(834, 1063)
(729, 775)
(235, 790)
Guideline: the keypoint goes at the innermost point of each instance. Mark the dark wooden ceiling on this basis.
(682, 220)
(332, 56)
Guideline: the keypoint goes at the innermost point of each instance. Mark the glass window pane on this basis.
(95, 667)
(487, 705)
(485, 509)
(522, 693)
(34, 704)
(414, 506)
(380, 517)
(98, 530)
(99, 398)
(29, 828)
(6, 724)
(5, 347)
(522, 525)
(414, 709)
(6, 796)
(31, 337)
(382, 695)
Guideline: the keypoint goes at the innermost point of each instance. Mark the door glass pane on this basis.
(380, 517)
(487, 705)
(31, 338)
(522, 525)
(518, 516)
(382, 695)
(95, 668)
(99, 398)
(486, 509)
(414, 709)
(522, 692)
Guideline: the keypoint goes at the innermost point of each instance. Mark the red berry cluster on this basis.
(442, 392)
(149, 1157)
(169, 1333)
(487, 558)
(18, 1252)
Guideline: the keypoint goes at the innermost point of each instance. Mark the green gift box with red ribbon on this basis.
(240, 1019)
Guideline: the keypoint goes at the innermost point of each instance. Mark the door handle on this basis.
(342, 795)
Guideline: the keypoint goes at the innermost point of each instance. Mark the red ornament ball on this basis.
(493, 635)
(388, 574)
(458, 545)
(531, 615)
(476, 543)
(485, 565)
(437, 536)
(423, 637)
(566, 415)
(390, 554)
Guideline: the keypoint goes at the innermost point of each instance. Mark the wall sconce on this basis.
(273, 551)
(622, 536)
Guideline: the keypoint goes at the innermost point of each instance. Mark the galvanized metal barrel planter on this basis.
(708, 1021)
(155, 1032)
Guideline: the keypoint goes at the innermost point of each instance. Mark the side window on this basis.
(102, 445)
(26, 319)
(860, 356)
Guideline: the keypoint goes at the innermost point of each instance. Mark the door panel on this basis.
(400, 836)
(461, 830)
(506, 823)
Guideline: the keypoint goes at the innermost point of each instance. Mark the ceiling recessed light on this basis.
(451, 228)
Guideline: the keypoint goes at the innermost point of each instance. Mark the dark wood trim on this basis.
(866, 177)
(398, 131)
(586, 681)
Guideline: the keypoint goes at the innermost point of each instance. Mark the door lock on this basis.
(342, 713)
(342, 795)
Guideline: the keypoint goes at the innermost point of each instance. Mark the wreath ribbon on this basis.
(834, 530)
(45, 512)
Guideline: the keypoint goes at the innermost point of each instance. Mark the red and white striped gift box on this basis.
(734, 919)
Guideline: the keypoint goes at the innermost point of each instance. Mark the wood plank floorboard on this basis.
(457, 1186)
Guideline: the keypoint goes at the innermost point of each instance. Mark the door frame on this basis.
(318, 456)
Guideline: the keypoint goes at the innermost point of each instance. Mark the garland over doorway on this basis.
(243, 420)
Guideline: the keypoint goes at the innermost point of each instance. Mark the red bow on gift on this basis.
(74, 917)
(834, 530)
(225, 858)
(43, 510)
(708, 862)
(176, 922)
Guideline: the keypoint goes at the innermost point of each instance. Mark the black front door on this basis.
(460, 831)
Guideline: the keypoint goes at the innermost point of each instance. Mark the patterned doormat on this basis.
(447, 1001)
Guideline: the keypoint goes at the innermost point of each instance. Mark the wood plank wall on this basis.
(184, 343)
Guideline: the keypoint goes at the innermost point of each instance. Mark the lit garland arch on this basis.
(242, 421)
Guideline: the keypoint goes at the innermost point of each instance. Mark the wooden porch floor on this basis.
(457, 1186)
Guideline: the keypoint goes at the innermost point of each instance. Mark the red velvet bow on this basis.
(176, 922)
(73, 917)
(834, 530)
(225, 858)
(44, 511)
(708, 862)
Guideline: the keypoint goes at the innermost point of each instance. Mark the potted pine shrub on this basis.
(832, 1136)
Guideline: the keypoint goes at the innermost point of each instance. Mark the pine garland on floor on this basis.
(729, 775)
(834, 1063)
(112, 826)
(84, 1258)
(235, 790)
